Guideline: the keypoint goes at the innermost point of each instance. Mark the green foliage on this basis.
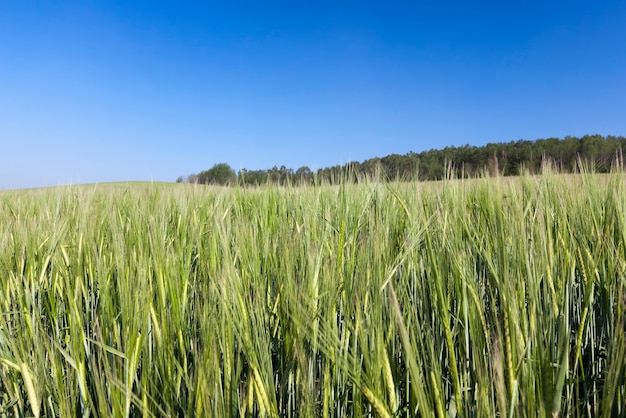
(509, 159)
(221, 174)
(485, 297)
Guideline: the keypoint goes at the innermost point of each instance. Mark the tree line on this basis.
(599, 153)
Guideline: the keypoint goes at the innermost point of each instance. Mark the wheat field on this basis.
(462, 298)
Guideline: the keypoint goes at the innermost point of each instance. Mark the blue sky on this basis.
(95, 91)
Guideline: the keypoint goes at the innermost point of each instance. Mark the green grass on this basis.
(487, 297)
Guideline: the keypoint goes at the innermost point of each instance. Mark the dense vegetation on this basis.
(486, 297)
(507, 159)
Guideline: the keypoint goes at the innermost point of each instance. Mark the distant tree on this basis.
(180, 179)
(371, 168)
(221, 174)
(303, 171)
(304, 174)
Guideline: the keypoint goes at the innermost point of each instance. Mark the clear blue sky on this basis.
(95, 91)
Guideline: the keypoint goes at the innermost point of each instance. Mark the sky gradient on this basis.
(99, 91)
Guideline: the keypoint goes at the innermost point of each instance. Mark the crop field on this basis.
(463, 298)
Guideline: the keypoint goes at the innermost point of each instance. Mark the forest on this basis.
(598, 153)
